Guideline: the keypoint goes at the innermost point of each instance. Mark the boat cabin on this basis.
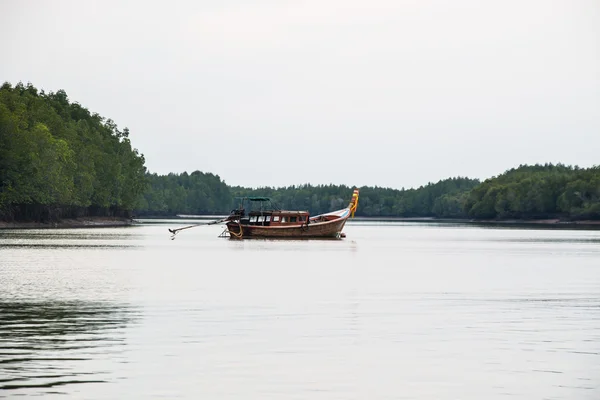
(275, 218)
(262, 212)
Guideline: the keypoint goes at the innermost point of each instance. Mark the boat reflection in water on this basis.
(46, 345)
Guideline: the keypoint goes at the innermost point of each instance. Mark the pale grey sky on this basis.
(269, 93)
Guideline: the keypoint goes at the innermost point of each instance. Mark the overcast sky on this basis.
(274, 92)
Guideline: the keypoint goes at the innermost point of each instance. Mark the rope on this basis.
(238, 235)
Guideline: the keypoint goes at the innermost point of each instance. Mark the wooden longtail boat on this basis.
(271, 222)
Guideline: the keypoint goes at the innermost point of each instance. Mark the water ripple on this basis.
(39, 337)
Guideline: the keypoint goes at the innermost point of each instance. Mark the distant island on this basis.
(62, 165)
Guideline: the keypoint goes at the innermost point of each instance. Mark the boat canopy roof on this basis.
(255, 203)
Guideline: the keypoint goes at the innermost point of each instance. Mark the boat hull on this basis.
(328, 229)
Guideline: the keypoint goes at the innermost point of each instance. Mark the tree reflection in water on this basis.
(49, 344)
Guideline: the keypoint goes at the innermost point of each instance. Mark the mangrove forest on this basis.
(60, 160)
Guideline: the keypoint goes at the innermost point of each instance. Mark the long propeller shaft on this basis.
(176, 231)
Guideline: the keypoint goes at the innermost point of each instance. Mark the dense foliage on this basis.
(538, 191)
(527, 192)
(193, 194)
(432, 200)
(59, 160)
(200, 193)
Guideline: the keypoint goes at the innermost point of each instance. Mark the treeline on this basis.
(199, 193)
(526, 192)
(433, 200)
(537, 192)
(57, 159)
(192, 194)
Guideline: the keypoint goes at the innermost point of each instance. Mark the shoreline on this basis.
(546, 221)
(554, 223)
(115, 222)
(542, 222)
(70, 223)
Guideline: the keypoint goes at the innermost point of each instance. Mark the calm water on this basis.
(394, 311)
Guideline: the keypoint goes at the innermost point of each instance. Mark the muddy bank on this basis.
(87, 222)
(545, 222)
(594, 224)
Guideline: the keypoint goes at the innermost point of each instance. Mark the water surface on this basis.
(394, 311)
